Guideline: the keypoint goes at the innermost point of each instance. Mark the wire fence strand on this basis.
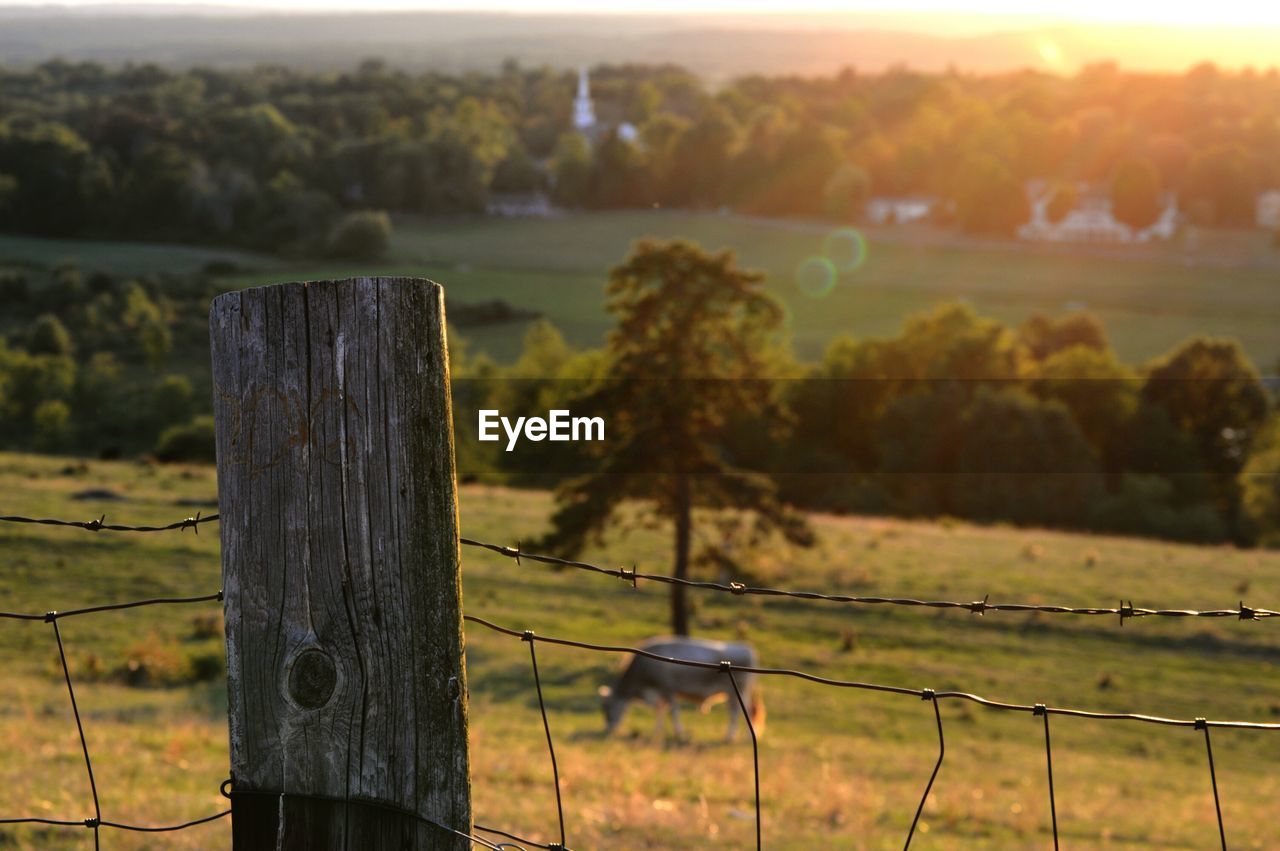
(1124, 611)
(515, 842)
(96, 823)
(931, 695)
(101, 525)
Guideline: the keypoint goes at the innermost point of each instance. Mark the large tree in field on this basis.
(687, 360)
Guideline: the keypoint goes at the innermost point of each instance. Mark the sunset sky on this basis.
(1226, 12)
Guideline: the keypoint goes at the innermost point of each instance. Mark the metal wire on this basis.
(1124, 611)
(546, 725)
(101, 524)
(84, 745)
(924, 694)
(1048, 758)
(96, 822)
(931, 695)
(1213, 778)
(727, 667)
(234, 793)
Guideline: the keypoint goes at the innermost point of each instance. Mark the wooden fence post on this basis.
(346, 688)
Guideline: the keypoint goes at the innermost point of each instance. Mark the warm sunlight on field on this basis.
(839, 769)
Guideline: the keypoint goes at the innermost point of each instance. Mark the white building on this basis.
(1092, 220)
(899, 211)
(584, 112)
(584, 115)
(1269, 209)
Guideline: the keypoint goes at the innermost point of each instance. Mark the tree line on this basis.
(273, 158)
(955, 415)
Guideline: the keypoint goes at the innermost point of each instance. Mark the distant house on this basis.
(524, 205)
(1091, 220)
(900, 210)
(1269, 209)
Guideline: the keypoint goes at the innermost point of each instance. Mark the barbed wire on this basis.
(1124, 611)
(100, 524)
(927, 694)
(96, 822)
(517, 843)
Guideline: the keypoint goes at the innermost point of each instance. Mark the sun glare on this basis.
(1050, 53)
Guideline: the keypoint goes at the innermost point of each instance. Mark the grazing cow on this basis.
(662, 684)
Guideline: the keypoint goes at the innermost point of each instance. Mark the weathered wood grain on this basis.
(340, 564)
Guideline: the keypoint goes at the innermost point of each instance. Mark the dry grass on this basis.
(840, 768)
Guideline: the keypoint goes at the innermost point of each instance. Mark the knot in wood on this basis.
(312, 679)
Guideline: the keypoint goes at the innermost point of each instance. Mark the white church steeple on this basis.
(584, 114)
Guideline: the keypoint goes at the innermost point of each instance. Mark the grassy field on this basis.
(840, 768)
(121, 257)
(1149, 298)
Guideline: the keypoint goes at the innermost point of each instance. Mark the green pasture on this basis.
(121, 257)
(840, 768)
(1149, 298)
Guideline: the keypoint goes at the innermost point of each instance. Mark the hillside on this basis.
(718, 47)
(160, 751)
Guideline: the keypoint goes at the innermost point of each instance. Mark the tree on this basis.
(700, 160)
(1260, 488)
(48, 336)
(617, 177)
(144, 323)
(1100, 392)
(1043, 337)
(1212, 392)
(1023, 460)
(51, 424)
(1224, 181)
(989, 199)
(362, 235)
(688, 353)
(57, 181)
(517, 173)
(1064, 200)
(171, 400)
(1135, 193)
(571, 170)
(8, 191)
(191, 441)
(846, 192)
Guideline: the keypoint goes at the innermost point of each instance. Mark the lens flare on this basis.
(845, 248)
(816, 277)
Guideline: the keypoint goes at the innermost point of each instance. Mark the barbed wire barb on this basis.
(100, 524)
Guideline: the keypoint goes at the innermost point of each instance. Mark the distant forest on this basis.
(272, 158)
